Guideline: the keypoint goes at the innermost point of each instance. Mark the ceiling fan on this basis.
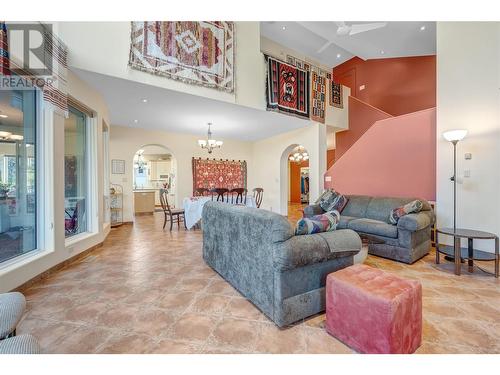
(343, 29)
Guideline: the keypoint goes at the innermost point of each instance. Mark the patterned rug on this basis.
(318, 95)
(336, 95)
(212, 173)
(196, 52)
(287, 88)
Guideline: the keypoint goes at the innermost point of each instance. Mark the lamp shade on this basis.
(455, 135)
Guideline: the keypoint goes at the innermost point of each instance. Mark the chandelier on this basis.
(139, 160)
(209, 143)
(299, 155)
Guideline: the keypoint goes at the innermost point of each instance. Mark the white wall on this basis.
(125, 142)
(468, 97)
(104, 48)
(270, 164)
(18, 273)
(339, 117)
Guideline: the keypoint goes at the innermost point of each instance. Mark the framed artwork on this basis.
(117, 166)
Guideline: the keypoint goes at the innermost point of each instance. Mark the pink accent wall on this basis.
(361, 117)
(395, 157)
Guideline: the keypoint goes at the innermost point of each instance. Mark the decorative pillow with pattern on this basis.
(327, 199)
(338, 203)
(326, 222)
(409, 208)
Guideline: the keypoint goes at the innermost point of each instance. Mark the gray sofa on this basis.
(406, 242)
(257, 252)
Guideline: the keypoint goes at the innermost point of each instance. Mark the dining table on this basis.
(193, 207)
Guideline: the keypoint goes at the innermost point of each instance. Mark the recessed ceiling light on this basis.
(382, 52)
(283, 28)
(3, 116)
(338, 55)
(136, 121)
(144, 100)
(422, 28)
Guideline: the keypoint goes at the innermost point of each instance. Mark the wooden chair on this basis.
(171, 213)
(221, 193)
(258, 193)
(241, 195)
(200, 192)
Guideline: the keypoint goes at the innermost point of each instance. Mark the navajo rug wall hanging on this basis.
(287, 88)
(336, 95)
(318, 97)
(195, 52)
(213, 173)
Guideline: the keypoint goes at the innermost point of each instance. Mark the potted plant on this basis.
(4, 189)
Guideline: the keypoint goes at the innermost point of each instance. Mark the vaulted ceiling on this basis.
(322, 42)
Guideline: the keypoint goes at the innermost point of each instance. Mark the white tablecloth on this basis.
(193, 208)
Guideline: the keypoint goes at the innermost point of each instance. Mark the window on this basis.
(76, 182)
(17, 173)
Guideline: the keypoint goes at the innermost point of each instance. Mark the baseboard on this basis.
(57, 267)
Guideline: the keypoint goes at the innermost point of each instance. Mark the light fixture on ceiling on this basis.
(144, 100)
(209, 144)
(338, 55)
(422, 28)
(136, 121)
(139, 161)
(382, 52)
(283, 28)
(299, 155)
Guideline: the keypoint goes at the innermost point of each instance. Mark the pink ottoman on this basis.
(373, 311)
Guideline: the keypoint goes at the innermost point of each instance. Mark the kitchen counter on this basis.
(144, 201)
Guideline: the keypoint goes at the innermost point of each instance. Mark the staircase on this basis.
(385, 155)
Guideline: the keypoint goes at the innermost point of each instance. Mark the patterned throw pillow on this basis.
(327, 199)
(338, 203)
(398, 213)
(326, 222)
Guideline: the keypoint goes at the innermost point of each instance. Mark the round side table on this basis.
(457, 252)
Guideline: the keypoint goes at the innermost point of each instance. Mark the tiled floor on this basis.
(149, 291)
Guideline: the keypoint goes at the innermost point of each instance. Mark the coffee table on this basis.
(457, 252)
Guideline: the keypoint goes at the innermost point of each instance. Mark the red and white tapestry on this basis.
(196, 52)
(287, 88)
(318, 97)
(213, 173)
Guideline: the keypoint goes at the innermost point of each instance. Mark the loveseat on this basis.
(407, 241)
(282, 274)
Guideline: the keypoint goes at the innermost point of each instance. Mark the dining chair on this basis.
(221, 194)
(200, 192)
(258, 193)
(241, 195)
(171, 213)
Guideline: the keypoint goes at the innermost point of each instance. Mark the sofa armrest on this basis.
(303, 250)
(313, 209)
(417, 221)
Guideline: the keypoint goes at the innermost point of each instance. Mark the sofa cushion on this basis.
(375, 227)
(318, 223)
(409, 208)
(327, 200)
(356, 206)
(344, 221)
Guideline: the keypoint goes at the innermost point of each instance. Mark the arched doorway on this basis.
(154, 168)
(294, 178)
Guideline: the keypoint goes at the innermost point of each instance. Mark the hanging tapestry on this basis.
(336, 95)
(287, 88)
(212, 173)
(318, 95)
(4, 51)
(196, 52)
(292, 60)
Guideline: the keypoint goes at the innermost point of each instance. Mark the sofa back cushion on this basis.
(356, 205)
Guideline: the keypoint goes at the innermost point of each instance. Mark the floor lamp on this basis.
(454, 136)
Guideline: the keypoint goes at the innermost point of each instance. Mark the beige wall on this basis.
(125, 142)
(105, 49)
(20, 272)
(468, 97)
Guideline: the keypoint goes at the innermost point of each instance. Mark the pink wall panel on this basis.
(395, 157)
(361, 117)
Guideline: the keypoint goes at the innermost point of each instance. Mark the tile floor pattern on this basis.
(148, 291)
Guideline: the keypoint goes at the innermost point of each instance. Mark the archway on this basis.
(154, 168)
(294, 177)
